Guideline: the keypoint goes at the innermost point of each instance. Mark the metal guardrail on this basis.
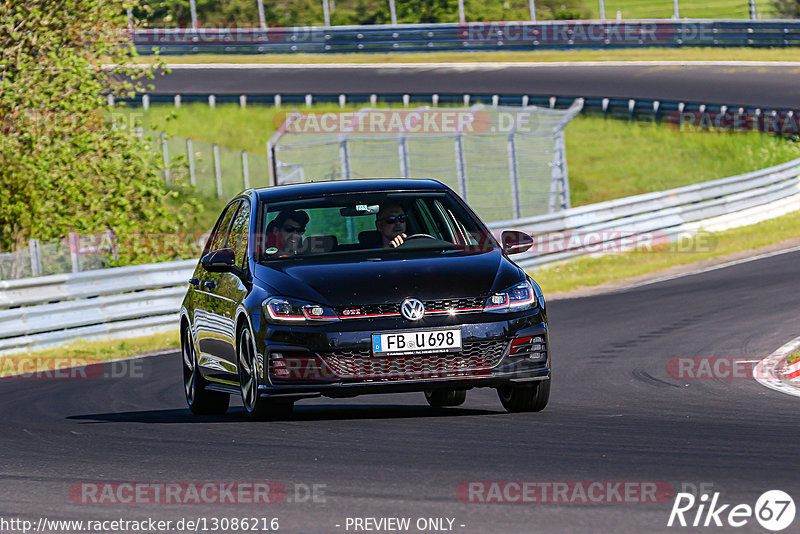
(41, 312)
(619, 108)
(544, 35)
(661, 216)
(45, 311)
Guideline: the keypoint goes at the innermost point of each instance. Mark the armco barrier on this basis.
(118, 302)
(526, 35)
(666, 214)
(50, 310)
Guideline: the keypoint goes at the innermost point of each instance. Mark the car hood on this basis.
(354, 281)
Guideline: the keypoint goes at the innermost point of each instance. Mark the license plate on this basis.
(419, 342)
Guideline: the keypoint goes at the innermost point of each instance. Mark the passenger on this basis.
(285, 233)
(391, 223)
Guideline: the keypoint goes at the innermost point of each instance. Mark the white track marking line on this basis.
(488, 65)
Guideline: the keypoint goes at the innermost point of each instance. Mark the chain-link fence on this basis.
(72, 254)
(215, 171)
(508, 162)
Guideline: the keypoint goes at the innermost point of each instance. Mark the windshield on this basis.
(368, 222)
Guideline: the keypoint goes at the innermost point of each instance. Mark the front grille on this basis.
(476, 358)
(465, 304)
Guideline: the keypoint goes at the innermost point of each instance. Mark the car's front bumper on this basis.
(336, 361)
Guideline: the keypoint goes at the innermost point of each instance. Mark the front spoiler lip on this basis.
(357, 388)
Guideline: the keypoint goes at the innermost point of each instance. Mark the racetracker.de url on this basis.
(46, 525)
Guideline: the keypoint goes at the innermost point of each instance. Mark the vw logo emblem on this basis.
(412, 309)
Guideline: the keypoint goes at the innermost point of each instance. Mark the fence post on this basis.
(165, 156)
(326, 13)
(461, 168)
(514, 176)
(190, 153)
(193, 11)
(753, 9)
(461, 16)
(242, 101)
(217, 171)
(212, 101)
(145, 102)
(402, 149)
(176, 100)
(532, 7)
(392, 12)
(344, 158)
(74, 244)
(559, 183)
(602, 10)
(261, 19)
(271, 171)
(245, 170)
(676, 10)
(36, 257)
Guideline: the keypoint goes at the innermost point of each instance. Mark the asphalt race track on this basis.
(768, 86)
(615, 415)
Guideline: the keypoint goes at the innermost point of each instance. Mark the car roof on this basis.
(316, 189)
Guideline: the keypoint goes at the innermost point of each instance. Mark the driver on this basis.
(285, 233)
(391, 223)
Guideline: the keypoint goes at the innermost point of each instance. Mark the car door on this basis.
(232, 288)
(213, 315)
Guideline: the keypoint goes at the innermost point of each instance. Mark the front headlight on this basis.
(289, 310)
(517, 298)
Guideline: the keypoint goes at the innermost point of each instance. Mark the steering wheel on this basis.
(417, 236)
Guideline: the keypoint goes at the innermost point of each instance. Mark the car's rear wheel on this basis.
(251, 374)
(200, 400)
(440, 398)
(529, 398)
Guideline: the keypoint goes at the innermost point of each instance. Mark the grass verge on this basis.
(793, 358)
(85, 353)
(589, 272)
(643, 54)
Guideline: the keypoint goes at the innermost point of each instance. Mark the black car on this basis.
(362, 286)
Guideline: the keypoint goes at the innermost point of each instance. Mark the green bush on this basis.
(64, 166)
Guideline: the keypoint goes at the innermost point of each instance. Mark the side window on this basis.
(220, 235)
(239, 233)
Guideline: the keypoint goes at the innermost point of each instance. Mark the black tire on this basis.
(525, 398)
(200, 400)
(440, 398)
(251, 374)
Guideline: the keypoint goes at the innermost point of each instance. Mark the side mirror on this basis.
(219, 261)
(515, 242)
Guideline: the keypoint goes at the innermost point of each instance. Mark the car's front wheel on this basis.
(251, 374)
(440, 398)
(200, 400)
(528, 398)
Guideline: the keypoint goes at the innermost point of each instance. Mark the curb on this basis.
(772, 371)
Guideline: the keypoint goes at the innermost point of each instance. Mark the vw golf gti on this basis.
(359, 287)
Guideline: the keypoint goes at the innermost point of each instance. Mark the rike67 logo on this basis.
(774, 510)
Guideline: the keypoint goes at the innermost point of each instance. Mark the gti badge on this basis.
(412, 309)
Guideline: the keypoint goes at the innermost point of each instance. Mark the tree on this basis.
(787, 8)
(64, 166)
